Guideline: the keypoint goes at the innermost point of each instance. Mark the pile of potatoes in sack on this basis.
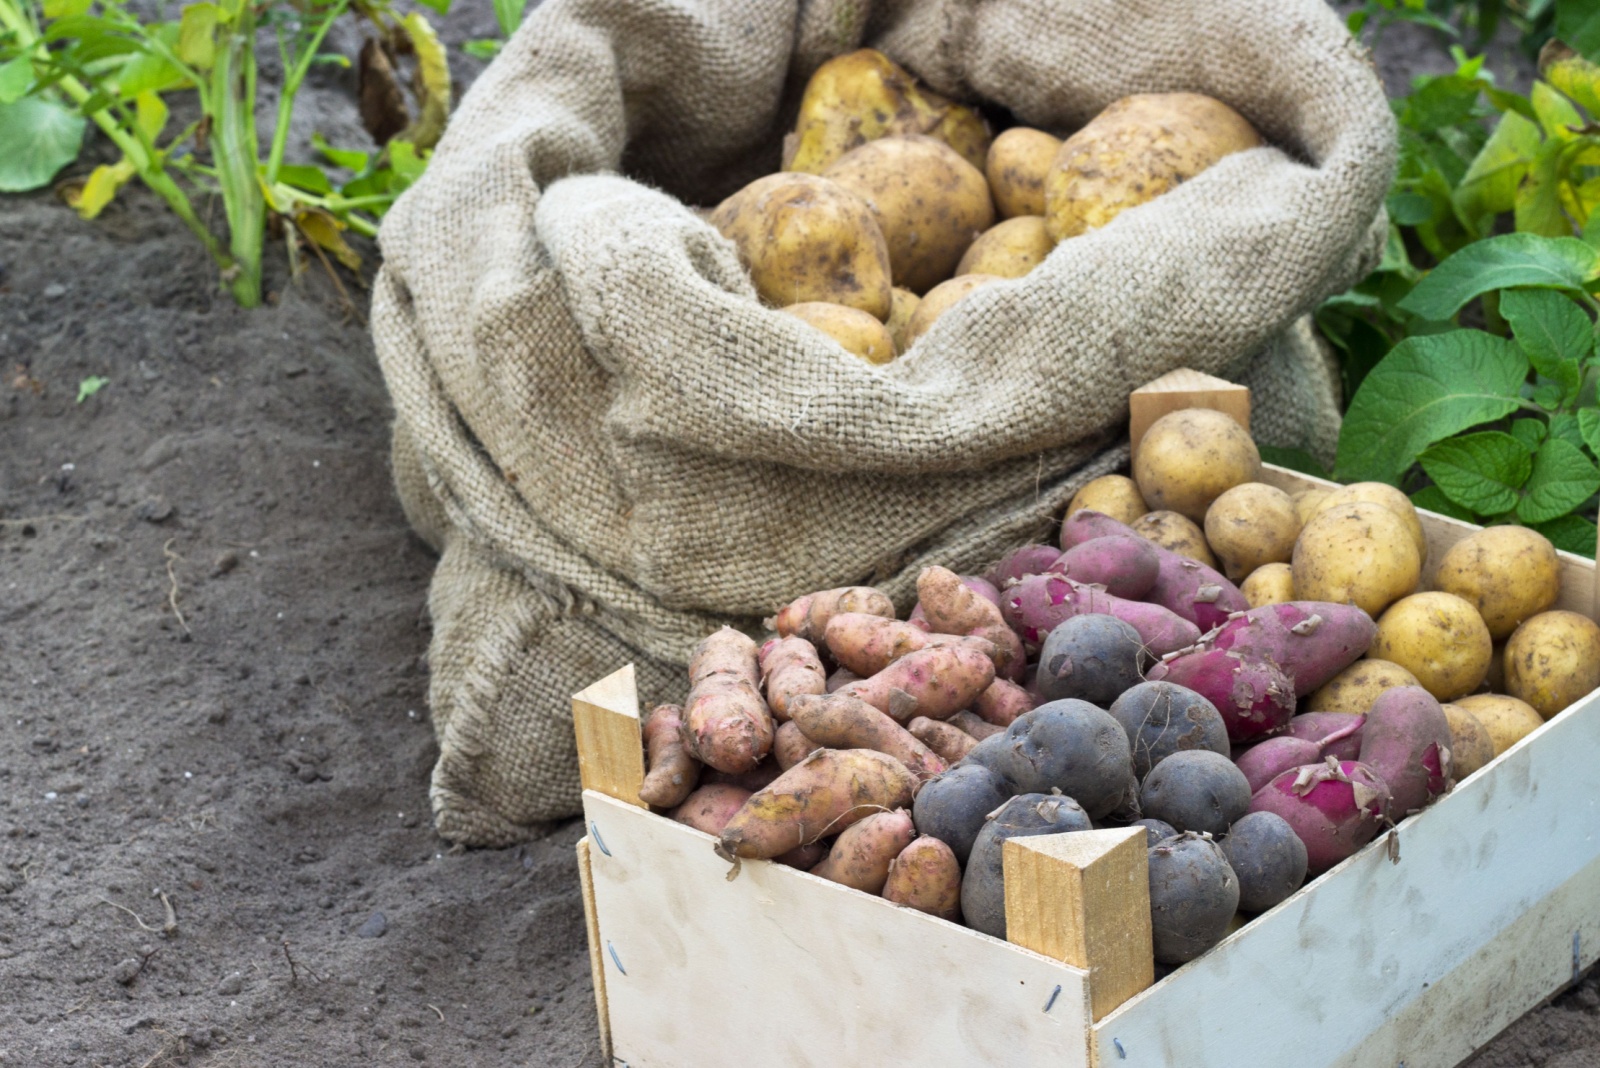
(1261, 732)
(894, 203)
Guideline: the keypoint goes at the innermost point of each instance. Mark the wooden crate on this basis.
(1492, 906)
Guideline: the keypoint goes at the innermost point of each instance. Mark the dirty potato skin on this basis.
(1135, 150)
(710, 807)
(1018, 161)
(1386, 495)
(808, 617)
(940, 299)
(1251, 525)
(1117, 496)
(927, 877)
(1471, 744)
(790, 745)
(1269, 584)
(1179, 533)
(1439, 638)
(1308, 503)
(1358, 554)
(1009, 249)
(673, 772)
(936, 683)
(822, 795)
(929, 202)
(902, 306)
(789, 667)
(1507, 719)
(1508, 573)
(841, 722)
(804, 238)
(1190, 458)
(859, 333)
(1552, 660)
(862, 855)
(726, 723)
(949, 741)
(1357, 686)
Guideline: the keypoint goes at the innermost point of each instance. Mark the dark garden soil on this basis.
(214, 741)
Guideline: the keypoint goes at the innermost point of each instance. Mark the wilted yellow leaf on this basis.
(100, 188)
(150, 111)
(432, 83)
(326, 231)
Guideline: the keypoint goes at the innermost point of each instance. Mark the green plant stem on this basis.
(236, 152)
(291, 86)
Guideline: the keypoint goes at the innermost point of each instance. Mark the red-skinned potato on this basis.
(864, 851)
(821, 795)
(927, 877)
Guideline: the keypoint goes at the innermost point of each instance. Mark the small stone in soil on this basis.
(376, 924)
(231, 985)
(126, 971)
(154, 510)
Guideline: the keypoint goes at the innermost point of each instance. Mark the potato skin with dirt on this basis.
(1357, 686)
(952, 806)
(1267, 858)
(1161, 718)
(1009, 249)
(902, 306)
(1381, 493)
(940, 299)
(1093, 658)
(1552, 660)
(1509, 574)
(1193, 896)
(1070, 746)
(1018, 161)
(858, 332)
(927, 877)
(1196, 790)
(1360, 554)
(1269, 584)
(805, 238)
(1177, 533)
(1507, 719)
(821, 795)
(1440, 639)
(929, 202)
(1471, 745)
(1135, 150)
(1117, 496)
(863, 852)
(1251, 525)
(983, 890)
(709, 808)
(1189, 458)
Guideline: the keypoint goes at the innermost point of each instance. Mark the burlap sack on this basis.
(617, 448)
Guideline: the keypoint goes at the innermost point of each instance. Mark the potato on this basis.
(1509, 574)
(1189, 458)
(804, 238)
(929, 202)
(1093, 658)
(790, 667)
(841, 722)
(1405, 740)
(1161, 719)
(726, 723)
(1135, 150)
(1507, 719)
(862, 855)
(1440, 639)
(1267, 858)
(822, 795)
(673, 772)
(983, 888)
(1176, 532)
(950, 742)
(1386, 495)
(1193, 897)
(1117, 496)
(808, 616)
(1357, 686)
(1269, 584)
(952, 807)
(1070, 746)
(1018, 161)
(1307, 503)
(940, 299)
(1009, 249)
(1250, 525)
(859, 333)
(1552, 660)
(1360, 554)
(790, 745)
(1471, 745)
(1196, 790)
(1125, 564)
(902, 306)
(710, 807)
(864, 95)
(926, 876)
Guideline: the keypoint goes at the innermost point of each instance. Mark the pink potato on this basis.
(978, 585)
(710, 807)
(936, 683)
(840, 721)
(757, 778)
(949, 741)
(790, 745)
(1003, 702)
(1311, 640)
(1125, 564)
(863, 853)
(726, 724)
(807, 617)
(1038, 604)
(1266, 761)
(866, 644)
(1319, 726)
(1018, 564)
(822, 795)
(951, 607)
(1406, 740)
(1254, 696)
(839, 678)
(673, 772)
(976, 725)
(1195, 592)
(789, 666)
(927, 877)
(1335, 808)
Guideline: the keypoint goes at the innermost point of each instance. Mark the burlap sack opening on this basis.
(617, 448)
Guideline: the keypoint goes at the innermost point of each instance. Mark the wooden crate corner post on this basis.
(1084, 898)
(1182, 389)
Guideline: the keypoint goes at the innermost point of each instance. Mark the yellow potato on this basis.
(864, 95)
(1009, 249)
(1508, 573)
(1358, 554)
(805, 239)
(1471, 744)
(1179, 533)
(929, 202)
(940, 299)
(1189, 458)
(1552, 660)
(1115, 495)
(858, 332)
(1507, 719)
(1307, 503)
(1251, 525)
(1135, 150)
(1390, 498)
(1018, 161)
(902, 306)
(1357, 686)
(1268, 584)
(1440, 639)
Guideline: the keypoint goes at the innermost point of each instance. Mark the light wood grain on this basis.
(1182, 389)
(1084, 898)
(782, 969)
(591, 927)
(605, 718)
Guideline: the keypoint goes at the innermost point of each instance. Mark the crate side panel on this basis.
(1354, 949)
(780, 968)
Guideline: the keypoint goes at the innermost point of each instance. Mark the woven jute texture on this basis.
(616, 448)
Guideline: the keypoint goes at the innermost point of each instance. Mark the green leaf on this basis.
(1538, 206)
(441, 6)
(1571, 533)
(1572, 74)
(1553, 331)
(303, 176)
(483, 48)
(1294, 459)
(90, 386)
(1490, 184)
(1480, 472)
(1562, 479)
(1546, 395)
(406, 163)
(1432, 499)
(1502, 263)
(1589, 427)
(1531, 432)
(1578, 24)
(197, 36)
(1440, 101)
(340, 157)
(16, 76)
(150, 112)
(1409, 209)
(1564, 425)
(149, 70)
(61, 9)
(508, 13)
(38, 136)
(1557, 116)
(1427, 389)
